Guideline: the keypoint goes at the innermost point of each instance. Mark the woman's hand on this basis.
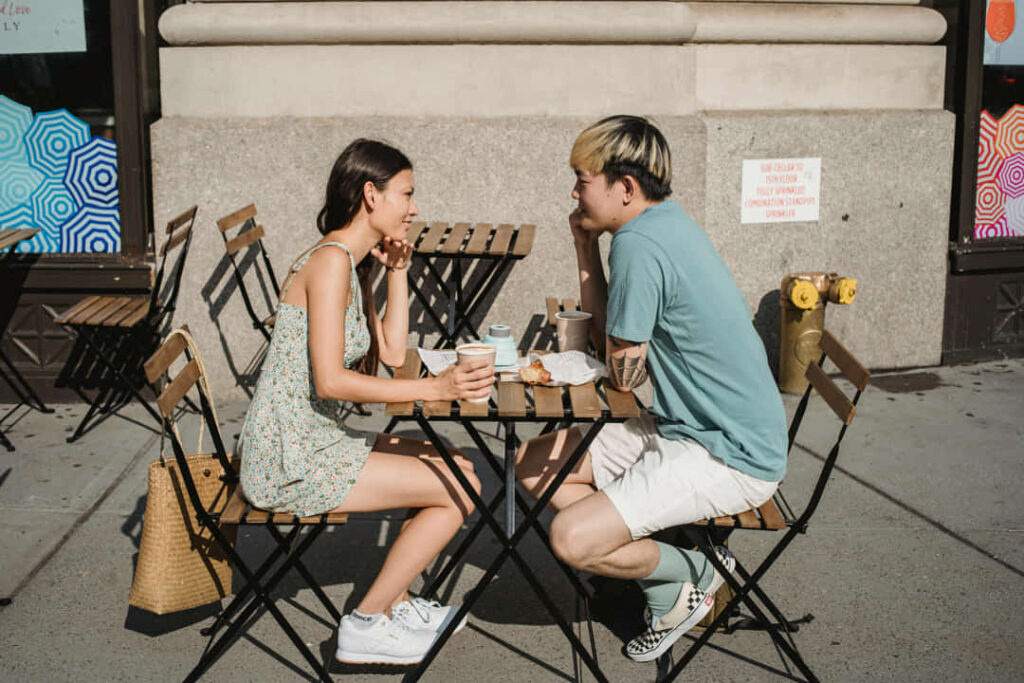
(471, 380)
(393, 254)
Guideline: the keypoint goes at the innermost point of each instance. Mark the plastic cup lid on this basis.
(500, 331)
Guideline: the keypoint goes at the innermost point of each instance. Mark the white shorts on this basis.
(656, 483)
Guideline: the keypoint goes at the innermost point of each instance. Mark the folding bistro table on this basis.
(494, 248)
(9, 238)
(589, 405)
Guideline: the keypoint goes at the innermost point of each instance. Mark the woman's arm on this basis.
(327, 286)
(393, 329)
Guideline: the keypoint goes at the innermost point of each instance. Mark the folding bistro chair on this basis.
(249, 234)
(777, 515)
(235, 510)
(120, 331)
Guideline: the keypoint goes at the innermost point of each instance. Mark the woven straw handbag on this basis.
(180, 566)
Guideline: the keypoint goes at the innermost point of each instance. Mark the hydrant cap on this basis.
(847, 290)
(803, 294)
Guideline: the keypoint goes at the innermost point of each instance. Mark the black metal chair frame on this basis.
(750, 588)
(121, 350)
(288, 551)
(249, 233)
(14, 379)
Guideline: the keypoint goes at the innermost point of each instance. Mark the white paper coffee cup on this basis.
(573, 330)
(476, 351)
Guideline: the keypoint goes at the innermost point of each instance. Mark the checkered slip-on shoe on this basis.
(691, 606)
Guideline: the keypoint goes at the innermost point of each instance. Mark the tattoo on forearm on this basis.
(629, 371)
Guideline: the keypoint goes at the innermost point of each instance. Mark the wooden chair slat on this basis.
(178, 387)
(415, 230)
(181, 219)
(471, 409)
(270, 320)
(547, 401)
(332, 518)
(478, 239)
(748, 520)
(432, 238)
(772, 517)
(511, 399)
(236, 217)
(833, 396)
(570, 305)
(110, 309)
(437, 408)
(844, 360)
(584, 401)
(244, 239)
(233, 511)
(87, 312)
(175, 240)
(7, 231)
(74, 310)
(141, 312)
(158, 363)
(453, 244)
(524, 240)
(552, 305)
(502, 238)
(725, 521)
(138, 303)
(256, 516)
(9, 240)
(410, 370)
(620, 403)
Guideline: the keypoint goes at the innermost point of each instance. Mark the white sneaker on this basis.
(428, 615)
(382, 641)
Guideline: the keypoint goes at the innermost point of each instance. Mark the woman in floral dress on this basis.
(297, 454)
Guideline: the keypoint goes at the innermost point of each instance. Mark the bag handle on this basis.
(204, 389)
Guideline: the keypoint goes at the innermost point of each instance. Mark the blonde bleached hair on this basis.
(623, 145)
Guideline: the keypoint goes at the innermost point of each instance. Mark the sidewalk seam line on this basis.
(85, 516)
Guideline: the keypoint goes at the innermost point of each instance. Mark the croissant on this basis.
(535, 373)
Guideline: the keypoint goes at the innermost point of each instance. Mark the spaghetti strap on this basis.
(301, 261)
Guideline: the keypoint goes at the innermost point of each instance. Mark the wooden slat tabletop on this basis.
(502, 238)
(478, 239)
(432, 238)
(415, 230)
(524, 240)
(513, 400)
(453, 244)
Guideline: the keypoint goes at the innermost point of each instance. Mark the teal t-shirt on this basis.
(668, 286)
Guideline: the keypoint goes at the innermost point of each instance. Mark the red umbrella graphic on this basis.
(1000, 19)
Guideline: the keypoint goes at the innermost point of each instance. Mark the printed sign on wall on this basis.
(780, 190)
(33, 26)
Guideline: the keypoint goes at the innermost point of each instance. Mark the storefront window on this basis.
(58, 156)
(999, 202)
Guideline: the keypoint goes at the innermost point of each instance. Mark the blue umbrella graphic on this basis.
(52, 204)
(92, 229)
(91, 175)
(14, 121)
(50, 139)
(17, 182)
(20, 218)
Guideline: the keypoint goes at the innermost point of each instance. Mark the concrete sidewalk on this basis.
(913, 567)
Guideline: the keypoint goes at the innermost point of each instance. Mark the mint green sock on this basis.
(661, 587)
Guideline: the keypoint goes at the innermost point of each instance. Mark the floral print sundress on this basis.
(297, 454)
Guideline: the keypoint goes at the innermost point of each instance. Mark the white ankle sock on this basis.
(365, 620)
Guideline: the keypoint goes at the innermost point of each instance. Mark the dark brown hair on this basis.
(363, 160)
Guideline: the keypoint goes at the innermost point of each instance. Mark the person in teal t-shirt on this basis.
(714, 442)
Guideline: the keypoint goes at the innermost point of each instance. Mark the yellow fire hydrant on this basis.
(803, 297)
